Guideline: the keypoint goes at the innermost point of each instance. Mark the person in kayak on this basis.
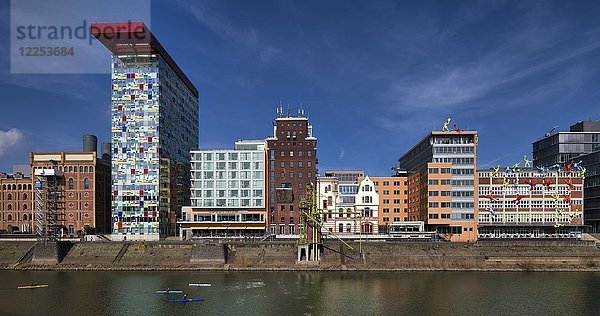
(185, 297)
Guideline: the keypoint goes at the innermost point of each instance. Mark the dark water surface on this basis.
(303, 293)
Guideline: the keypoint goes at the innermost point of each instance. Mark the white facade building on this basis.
(347, 219)
(367, 204)
(227, 192)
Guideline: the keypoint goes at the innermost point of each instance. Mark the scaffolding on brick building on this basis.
(49, 215)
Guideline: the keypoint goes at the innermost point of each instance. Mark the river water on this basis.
(303, 293)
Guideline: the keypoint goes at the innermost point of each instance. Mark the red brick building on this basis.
(86, 189)
(291, 166)
(16, 211)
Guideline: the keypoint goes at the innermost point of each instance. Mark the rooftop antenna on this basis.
(288, 112)
(280, 111)
(301, 111)
(552, 130)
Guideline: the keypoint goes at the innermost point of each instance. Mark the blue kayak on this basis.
(169, 292)
(189, 300)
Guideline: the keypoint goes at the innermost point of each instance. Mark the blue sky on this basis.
(375, 76)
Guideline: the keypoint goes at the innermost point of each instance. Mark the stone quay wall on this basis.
(265, 256)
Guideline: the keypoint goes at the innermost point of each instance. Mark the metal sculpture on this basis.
(582, 171)
(568, 167)
(516, 168)
(557, 167)
(445, 127)
(496, 171)
(490, 196)
(527, 161)
(518, 199)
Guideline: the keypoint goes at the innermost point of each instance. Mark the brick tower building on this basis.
(291, 166)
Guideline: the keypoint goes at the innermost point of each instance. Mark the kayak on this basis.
(189, 300)
(200, 284)
(32, 286)
(168, 292)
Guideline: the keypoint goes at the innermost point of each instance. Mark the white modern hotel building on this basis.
(227, 192)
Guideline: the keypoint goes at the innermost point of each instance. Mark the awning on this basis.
(207, 227)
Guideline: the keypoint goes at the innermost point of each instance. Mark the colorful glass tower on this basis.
(154, 125)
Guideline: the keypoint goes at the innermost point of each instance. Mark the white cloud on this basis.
(10, 140)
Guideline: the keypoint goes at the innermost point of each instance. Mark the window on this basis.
(282, 154)
(9, 215)
(70, 183)
(386, 183)
(25, 209)
(291, 153)
(86, 183)
(24, 196)
(9, 197)
(309, 153)
(386, 192)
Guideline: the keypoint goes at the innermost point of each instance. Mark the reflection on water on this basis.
(302, 293)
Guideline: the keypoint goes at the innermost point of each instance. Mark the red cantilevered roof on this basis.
(135, 38)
